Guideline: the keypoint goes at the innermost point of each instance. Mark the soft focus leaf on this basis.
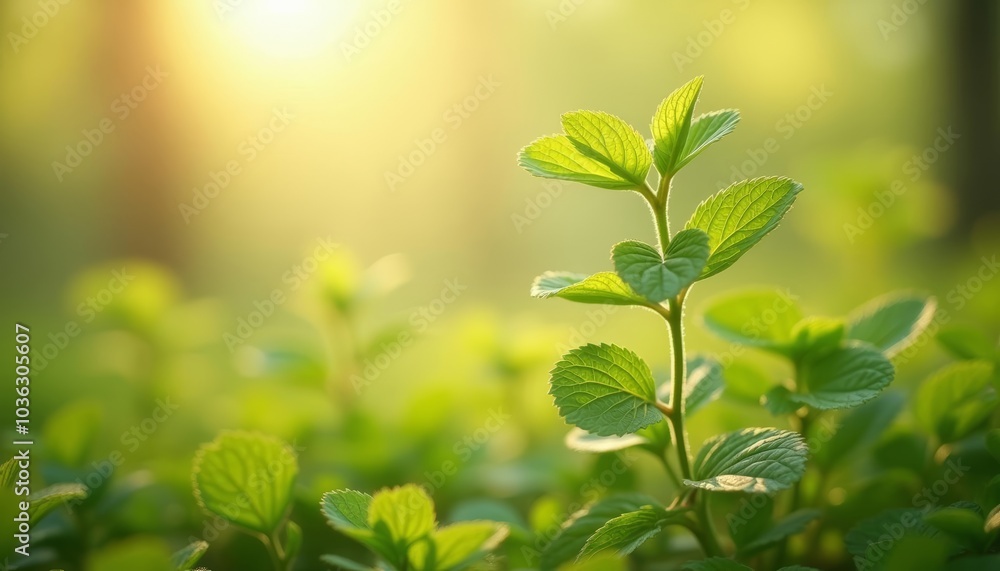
(892, 322)
(246, 479)
(850, 376)
(956, 399)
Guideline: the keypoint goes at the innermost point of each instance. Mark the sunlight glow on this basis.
(290, 28)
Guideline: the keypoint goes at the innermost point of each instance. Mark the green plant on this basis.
(246, 479)
(400, 527)
(609, 393)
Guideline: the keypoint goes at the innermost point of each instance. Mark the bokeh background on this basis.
(168, 166)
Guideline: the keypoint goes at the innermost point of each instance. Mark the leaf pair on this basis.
(722, 229)
(400, 526)
(602, 150)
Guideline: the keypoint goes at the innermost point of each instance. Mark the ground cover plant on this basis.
(340, 436)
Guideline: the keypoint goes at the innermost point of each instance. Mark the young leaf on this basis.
(346, 510)
(187, 557)
(246, 479)
(628, 531)
(850, 376)
(583, 441)
(48, 499)
(705, 130)
(611, 141)
(457, 545)
(817, 336)
(671, 125)
(704, 383)
(738, 217)
(793, 524)
(405, 512)
(715, 564)
(957, 399)
(573, 535)
(892, 322)
(754, 460)
(758, 318)
(603, 287)
(559, 157)
(605, 389)
(655, 278)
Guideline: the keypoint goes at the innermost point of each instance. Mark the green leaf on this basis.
(406, 513)
(293, 540)
(745, 381)
(963, 525)
(246, 479)
(605, 389)
(754, 460)
(8, 473)
(344, 563)
(758, 318)
(715, 564)
(859, 427)
(705, 130)
(457, 545)
(346, 509)
(992, 522)
(627, 532)
(993, 442)
(967, 342)
(656, 278)
(847, 377)
(817, 336)
(583, 441)
(611, 141)
(44, 501)
(603, 287)
(575, 531)
(704, 383)
(956, 399)
(869, 540)
(892, 322)
(794, 523)
(778, 401)
(671, 125)
(560, 157)
(187, 557)
(738, 217)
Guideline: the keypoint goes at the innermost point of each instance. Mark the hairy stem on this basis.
(658, 204)
(677, 395)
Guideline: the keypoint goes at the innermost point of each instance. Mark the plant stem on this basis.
(659, 207)
(711, 544)
(677, 394)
